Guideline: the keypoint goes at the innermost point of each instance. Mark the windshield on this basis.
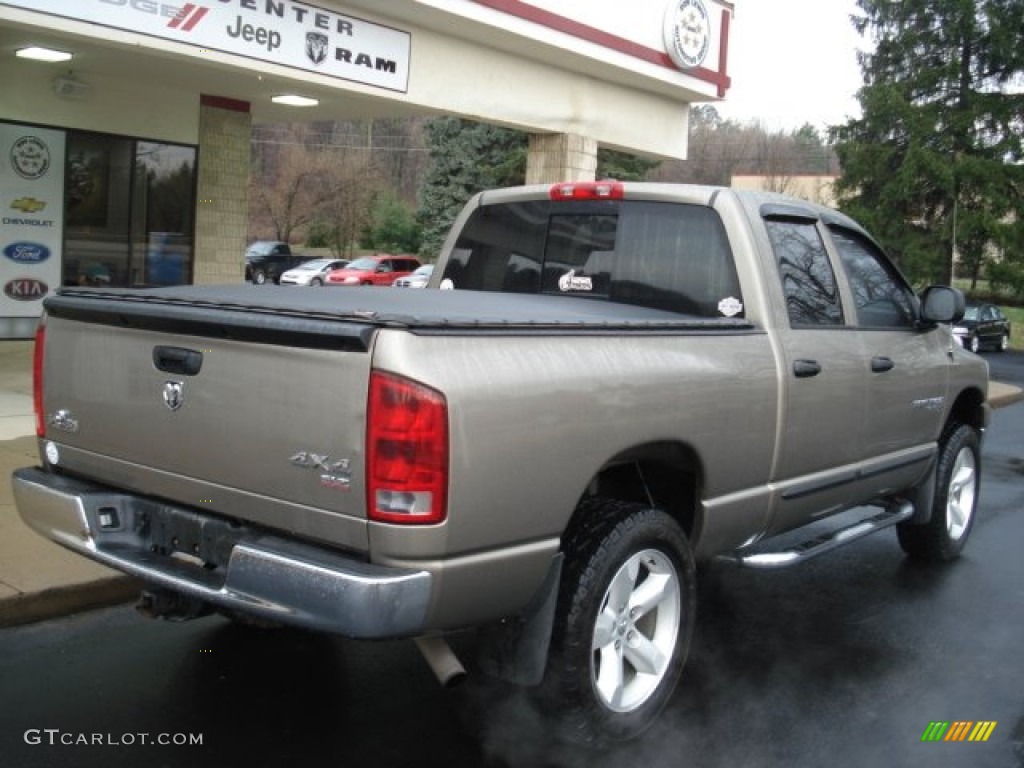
(315, 265)
(261, 248)
(363, 265)
(971, 313)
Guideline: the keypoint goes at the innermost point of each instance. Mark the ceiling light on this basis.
(293, 100)
(42, 54)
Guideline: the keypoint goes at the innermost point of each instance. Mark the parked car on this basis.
(268, 260)
(983, 326)
(418, 279)
(312, 272)
(379, 269)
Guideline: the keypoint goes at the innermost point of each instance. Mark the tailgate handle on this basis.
(184, 362)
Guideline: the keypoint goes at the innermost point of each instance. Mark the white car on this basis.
(311, 272)
(417, 279)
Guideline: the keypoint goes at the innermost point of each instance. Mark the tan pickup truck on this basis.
(602, 385)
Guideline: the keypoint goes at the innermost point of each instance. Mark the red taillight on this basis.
(37, 380)
(587, 190)
(406, 452)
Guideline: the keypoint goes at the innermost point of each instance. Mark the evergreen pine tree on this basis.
(934, 163)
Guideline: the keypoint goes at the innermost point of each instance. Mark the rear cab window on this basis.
(668, 256)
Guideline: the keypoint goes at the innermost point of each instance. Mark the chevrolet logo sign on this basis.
(28, 205)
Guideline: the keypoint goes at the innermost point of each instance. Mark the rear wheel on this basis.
(957, 482)
(624, 622)
(316, 282)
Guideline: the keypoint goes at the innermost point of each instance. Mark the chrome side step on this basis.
(798, 553)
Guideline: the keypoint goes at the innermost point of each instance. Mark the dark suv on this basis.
(268, 260)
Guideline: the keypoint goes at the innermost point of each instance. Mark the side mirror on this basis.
(940, 304)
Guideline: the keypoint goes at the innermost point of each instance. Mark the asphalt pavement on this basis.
(40, 580)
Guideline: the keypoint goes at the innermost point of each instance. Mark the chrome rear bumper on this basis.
(225, 564)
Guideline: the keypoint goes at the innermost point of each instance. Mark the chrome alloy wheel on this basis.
(963, 485)
(635, 631)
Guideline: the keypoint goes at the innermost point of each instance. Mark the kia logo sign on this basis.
(25, 289)
(27, 253)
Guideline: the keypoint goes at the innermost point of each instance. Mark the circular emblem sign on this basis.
(687, 33)
(30, 157)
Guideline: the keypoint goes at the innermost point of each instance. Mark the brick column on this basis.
(560, 157)
(222, 206)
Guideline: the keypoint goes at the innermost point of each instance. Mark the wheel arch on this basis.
(666, 475)
(969, 408)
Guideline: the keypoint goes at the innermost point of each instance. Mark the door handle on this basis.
(882, 364)
(804, 369)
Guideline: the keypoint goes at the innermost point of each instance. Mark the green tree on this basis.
(622, 165)
(934, 163)
(392, 227)
(467, 157)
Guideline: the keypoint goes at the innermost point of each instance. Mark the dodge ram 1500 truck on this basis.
(621, 381)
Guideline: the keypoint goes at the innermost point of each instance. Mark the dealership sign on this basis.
(280, 32)
(31, 216)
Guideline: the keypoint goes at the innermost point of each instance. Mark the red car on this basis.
(379, 269)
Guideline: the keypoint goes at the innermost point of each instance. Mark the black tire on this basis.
(957, 485)
(974, 344)
(1004, 342)
(620, 554)
(259, 277)
(316, 282)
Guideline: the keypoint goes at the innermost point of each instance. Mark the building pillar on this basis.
(222, 204)
(560, 157)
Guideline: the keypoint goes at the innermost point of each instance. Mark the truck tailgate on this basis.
(217, 419)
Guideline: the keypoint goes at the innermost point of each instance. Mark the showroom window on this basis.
(129, 211)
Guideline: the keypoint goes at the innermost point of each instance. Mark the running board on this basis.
(805, 550)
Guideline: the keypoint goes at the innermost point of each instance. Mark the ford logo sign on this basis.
(27, 253)
(25, 289)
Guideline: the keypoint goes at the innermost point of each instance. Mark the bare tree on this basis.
(288, 185)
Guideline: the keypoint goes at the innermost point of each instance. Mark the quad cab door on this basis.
(823, 413)
(908, 366)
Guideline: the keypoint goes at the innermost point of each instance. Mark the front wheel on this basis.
(957, 482)
(974, 344)
(1004, 342)
(624, 622)
(259, 277)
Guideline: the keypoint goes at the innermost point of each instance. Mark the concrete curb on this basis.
(30, 607)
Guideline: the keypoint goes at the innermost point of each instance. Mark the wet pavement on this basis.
(843, 661)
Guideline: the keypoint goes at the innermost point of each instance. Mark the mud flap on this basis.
(516, 649)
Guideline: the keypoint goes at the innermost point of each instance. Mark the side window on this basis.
(881, 296)
(812, 298)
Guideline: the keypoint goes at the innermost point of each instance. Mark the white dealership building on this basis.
(126, 149)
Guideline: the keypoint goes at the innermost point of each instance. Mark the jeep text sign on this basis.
(280, 32)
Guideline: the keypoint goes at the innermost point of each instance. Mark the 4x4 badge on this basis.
(174, 394)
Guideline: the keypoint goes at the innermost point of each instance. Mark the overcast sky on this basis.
(793, 62)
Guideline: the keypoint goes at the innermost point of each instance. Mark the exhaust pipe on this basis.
(442, 660)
